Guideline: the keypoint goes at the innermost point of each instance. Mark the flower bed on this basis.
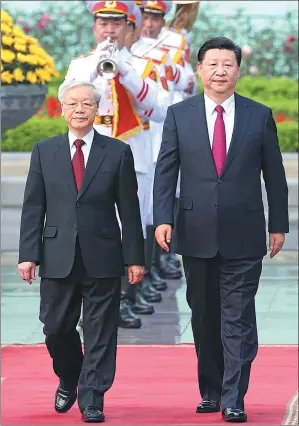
(22, 58)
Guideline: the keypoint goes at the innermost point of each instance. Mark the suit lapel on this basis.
(63, 157)
(201, 134)
(242, 115)
(96, 157)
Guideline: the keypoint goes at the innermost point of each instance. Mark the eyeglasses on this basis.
(84, 105)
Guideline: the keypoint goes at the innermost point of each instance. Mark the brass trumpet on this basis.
(107, 67)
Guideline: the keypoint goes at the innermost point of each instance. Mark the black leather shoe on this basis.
(127, 318)
(234, 415)
(168, 270)
(92, 415)
(157, 282)
(141, 306)
(64, 399)
(208, 406)
(149, 293)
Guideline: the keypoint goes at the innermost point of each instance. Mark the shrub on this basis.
(268, 88)
(288, 136)
(24, 136)
(22, 58)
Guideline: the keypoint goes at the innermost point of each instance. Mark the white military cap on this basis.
(158, 6)
(110, 9)
(140, 3)
(135, 17)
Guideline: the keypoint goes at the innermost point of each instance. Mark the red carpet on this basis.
(153, 385)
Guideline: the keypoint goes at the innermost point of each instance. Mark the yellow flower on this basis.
(7, 56)
(26, 50)
(31, 39)
(6, 77)
(20, 47)
(5, 29)
(20, 40)
(18, 32)
(8, 41)
(5, 17)
(31, 77)
(21, 58)
(18, 75)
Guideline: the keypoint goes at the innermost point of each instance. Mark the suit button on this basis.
(220, 181)
(78, 205)
(216, 205)
(75, 228)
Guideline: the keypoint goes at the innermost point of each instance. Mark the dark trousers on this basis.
(220, 294)
(60, 311)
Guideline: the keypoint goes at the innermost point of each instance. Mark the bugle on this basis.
(107, 67)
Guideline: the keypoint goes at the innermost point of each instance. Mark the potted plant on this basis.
(25, 71)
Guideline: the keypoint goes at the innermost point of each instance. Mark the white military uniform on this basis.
(156, 116)
(145, 97)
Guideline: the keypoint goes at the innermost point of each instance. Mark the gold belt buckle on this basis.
(107, 120)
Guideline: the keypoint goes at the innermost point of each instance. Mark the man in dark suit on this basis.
(70, 229)
(221, 142)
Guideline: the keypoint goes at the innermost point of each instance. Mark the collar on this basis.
(87, 138)
(227, 105)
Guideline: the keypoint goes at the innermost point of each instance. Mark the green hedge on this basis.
(260, 87)
(288, 136)
(24, 136)
(278, 93)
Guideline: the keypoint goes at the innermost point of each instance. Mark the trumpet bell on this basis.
(107, 68)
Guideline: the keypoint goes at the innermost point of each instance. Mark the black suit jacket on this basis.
(224, 214)
(54, 214)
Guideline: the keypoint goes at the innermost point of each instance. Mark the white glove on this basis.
(102, 47)
(101, 52)
(123, 63)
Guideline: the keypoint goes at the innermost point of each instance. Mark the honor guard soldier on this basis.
(177, 80)
(123, 91)
(148, 290)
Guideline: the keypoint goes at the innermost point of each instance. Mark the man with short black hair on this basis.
(221, 142)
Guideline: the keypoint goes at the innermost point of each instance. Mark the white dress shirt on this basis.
(228, 117)
(85, 148)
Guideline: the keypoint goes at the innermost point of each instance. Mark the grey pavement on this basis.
(276, 301)
(276, 306)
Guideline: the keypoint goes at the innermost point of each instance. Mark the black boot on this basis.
(168, 270)
(172, 258)
(141, 306)
(149, 293)
(157, 281)
(127, 318)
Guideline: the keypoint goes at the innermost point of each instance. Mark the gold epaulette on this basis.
(83, 56)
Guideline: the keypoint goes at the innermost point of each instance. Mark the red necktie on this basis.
(219, 141)
(78, 163)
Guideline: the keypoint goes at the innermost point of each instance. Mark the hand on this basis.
(276, 241)
(27, 271)
(190, 87)
(102, 48)
(163, 236)
(123, 63)
(135, 274)
(101, 52)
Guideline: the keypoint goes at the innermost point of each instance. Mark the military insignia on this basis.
(109, 4)
(83, 56)
(152, 3)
